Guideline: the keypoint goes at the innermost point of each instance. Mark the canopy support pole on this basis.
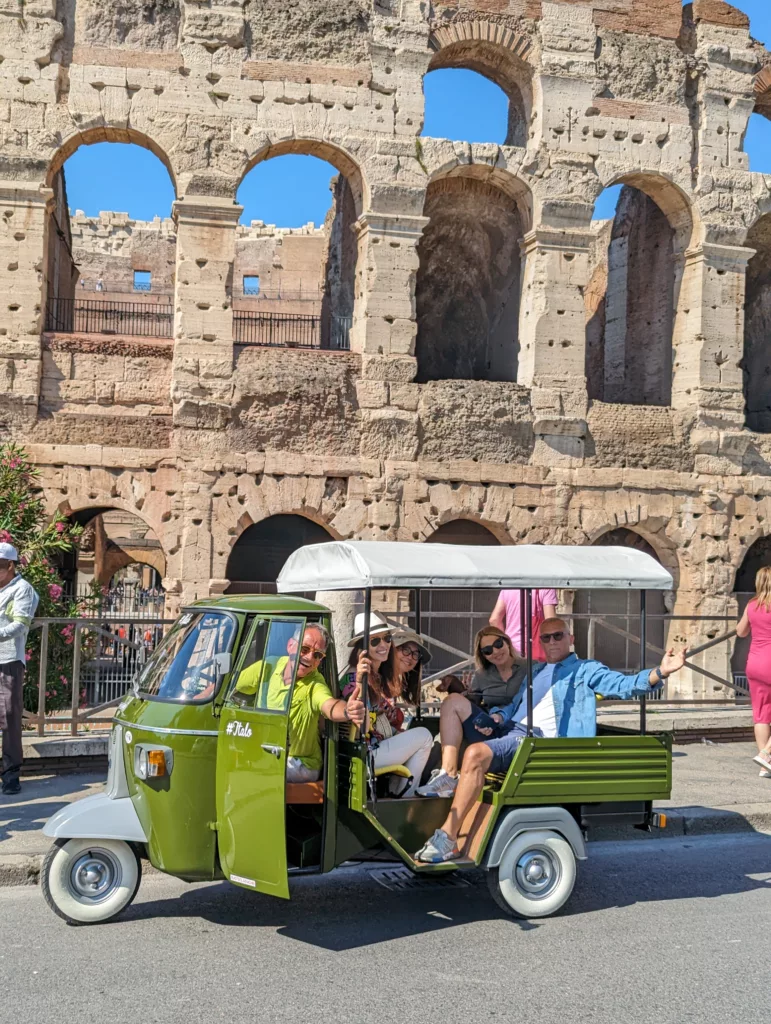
(365, 641)
(528, 637)
(419, 631)
(643, 648)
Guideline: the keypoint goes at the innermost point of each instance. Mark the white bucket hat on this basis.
(9, 552)
(376, 625)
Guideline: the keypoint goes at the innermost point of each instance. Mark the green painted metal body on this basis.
(222, 810)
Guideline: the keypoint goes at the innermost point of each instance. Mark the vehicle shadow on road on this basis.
(37, 802)
(337, 912)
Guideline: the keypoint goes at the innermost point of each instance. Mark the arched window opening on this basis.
(296, 240)
(479, 86)
(260, 552)
(454, 616)
(110, 228)
(607, 623)
(756, 364)
(462, 104)
(630, 301)
(757, 141)
(758, 556)
(116, 578)
(468, 284)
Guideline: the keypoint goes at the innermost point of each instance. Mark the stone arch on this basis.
(106, 134)
(762, 90)
(756, 360)
(108, 550)
(261, 549)
(496, 51)
(333, 154)
(598, 637)
(634, 292)
(468, 286)
(463, 530)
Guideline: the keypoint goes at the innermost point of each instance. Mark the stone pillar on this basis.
(342, 604)
(708, 349)
(202, 375)
(24, 219)
(552, 339)
(384, 330)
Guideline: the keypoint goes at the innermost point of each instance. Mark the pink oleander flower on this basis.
(5, 537)
(55, 591)
(61, 527)
(28, 655)
(64, 679)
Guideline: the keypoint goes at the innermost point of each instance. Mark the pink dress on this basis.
(513, 626)
(759, 663)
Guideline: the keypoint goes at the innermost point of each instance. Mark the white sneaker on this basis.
(438, 849)
(440, 784)
(764, 773)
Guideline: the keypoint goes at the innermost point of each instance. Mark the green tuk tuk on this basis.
(196, 781)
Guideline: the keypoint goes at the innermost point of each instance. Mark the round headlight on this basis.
(142, 763)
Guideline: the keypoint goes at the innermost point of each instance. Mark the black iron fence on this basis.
(291, 330)
(94, 316)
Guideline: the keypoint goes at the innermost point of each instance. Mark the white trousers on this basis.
(410, 748)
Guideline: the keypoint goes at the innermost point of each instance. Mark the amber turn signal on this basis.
(156, 763)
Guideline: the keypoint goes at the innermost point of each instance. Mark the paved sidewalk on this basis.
(716, 788)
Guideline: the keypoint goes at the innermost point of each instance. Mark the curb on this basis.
(24, 869)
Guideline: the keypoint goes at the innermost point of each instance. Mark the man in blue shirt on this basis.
(564, 704)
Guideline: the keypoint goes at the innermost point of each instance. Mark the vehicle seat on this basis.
(390, 769)
(305, 792)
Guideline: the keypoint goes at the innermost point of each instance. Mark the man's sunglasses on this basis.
(381, 638)
(496, 645)
(308, 652)
(556, 637)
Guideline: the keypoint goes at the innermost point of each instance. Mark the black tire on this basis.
(79, 910)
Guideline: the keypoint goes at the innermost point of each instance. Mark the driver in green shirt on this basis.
(271, 682)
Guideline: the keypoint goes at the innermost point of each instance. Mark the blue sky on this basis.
(292, 190)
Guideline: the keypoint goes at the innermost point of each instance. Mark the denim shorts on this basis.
(504, 746)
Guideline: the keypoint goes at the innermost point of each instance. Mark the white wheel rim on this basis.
(94, 877)
(537, 873)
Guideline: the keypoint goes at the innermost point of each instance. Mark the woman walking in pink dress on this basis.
(757, 621)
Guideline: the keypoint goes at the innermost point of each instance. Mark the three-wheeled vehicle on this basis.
(196, 780)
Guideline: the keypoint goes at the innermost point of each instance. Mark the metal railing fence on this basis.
(102, 670)
(290, 330)
(132, 602)
(94, 316)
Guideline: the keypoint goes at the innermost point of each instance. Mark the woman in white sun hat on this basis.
(388, 683)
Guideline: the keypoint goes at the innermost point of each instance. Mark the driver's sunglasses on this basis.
(307, 651)
(381, 638)
(556, 637)
(496, 645)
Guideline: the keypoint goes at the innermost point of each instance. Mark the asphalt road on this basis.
(666, 931)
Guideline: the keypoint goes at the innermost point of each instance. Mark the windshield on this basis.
(185, 666)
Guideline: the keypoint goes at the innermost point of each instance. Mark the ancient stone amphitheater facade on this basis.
(502, 370)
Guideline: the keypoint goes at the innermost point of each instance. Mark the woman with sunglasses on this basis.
(499, 674)
(391, 676)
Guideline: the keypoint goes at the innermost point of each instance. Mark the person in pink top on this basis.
(507, 614)
(757, 621)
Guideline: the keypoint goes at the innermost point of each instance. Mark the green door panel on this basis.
(251, 771)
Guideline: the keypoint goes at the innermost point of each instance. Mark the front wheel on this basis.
(536, 875)
(87, 881)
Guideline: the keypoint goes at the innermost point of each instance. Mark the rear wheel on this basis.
(87, 881)
(536, 875)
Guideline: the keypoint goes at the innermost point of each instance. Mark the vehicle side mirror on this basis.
(222, 664)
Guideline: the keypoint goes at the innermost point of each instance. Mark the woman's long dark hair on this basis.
(387, 682)
(411, 685)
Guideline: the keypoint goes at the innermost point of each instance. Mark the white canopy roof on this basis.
(357, 565)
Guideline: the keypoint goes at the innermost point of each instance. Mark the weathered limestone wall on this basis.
(110, 247)
(201, 438)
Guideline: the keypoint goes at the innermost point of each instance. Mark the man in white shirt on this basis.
(18, 602)
(564, 704)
